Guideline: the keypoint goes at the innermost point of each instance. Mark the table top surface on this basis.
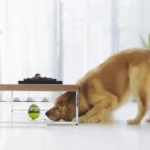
(39, 87)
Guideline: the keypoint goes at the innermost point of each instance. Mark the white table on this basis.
(40, 87)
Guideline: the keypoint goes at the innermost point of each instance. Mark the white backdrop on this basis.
(87, 35)
(88, 31)
(27, 42)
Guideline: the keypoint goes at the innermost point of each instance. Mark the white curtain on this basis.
(133, 22)
(27, 43)
(85, 34)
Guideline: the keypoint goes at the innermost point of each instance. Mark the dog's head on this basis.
(64, 107)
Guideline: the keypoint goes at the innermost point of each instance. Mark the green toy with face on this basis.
(34, 111)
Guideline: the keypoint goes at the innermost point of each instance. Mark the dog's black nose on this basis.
(47, 113)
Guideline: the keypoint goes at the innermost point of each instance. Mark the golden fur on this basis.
(105, 88)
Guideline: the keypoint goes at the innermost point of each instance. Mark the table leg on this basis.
(77, 109)
(11, 101)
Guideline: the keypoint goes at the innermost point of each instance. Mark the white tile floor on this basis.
(118, 136)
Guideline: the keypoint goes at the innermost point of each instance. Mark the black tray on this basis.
(40, 81)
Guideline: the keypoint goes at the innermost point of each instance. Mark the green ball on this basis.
(34, 111)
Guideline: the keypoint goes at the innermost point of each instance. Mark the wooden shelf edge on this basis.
(39, 87)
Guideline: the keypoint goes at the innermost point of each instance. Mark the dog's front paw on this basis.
(94, 119)
(148, 120)
(133, 122)
(80, 120)
(74, 119)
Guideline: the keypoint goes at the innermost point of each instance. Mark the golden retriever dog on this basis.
(105, 88)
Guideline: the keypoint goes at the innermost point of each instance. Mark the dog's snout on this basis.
(47, 113)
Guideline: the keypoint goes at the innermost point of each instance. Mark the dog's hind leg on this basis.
(139, 81)
(142, 108)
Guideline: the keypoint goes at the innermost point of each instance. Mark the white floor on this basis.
(118, 136)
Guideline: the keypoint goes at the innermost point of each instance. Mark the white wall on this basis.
(133, 21)
(86, 36)
(27, 42)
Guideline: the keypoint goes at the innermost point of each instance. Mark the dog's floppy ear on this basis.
(60, 103)
(68, 113)
(84, 89)
(62, 99)
(70, 96)
(69, 107)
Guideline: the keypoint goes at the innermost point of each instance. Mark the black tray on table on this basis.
(40, 81)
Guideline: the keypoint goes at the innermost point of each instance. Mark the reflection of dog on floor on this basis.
(106, 87)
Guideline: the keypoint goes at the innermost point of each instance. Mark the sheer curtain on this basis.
(87, 35)
(133, 22)
(27, 43)
(63, 39)
(129, 23)
(92, 30)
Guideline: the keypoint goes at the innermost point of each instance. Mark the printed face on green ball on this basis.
(34, 111)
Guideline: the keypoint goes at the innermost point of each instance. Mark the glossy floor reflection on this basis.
(118, 136)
